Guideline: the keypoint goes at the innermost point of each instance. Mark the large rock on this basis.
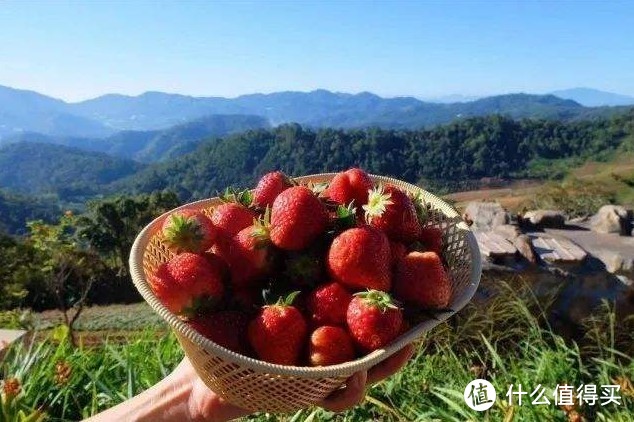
(545, 219)
(524, 246)
(485, 216)
(616, 262)
(509, 231)
(612, 219)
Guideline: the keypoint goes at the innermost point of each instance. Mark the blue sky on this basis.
(79, 50)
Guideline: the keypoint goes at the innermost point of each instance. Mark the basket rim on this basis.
(344, 369)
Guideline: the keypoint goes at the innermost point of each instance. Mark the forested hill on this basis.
(37, 169)
(470, 149)
(155, 145)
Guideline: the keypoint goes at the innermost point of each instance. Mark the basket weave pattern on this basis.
(261, 386)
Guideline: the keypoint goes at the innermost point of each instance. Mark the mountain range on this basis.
(26, 111)
(151, 145)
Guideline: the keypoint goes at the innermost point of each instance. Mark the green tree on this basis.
(67, 268)
(110, 226)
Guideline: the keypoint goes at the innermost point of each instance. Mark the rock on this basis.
(524, 246)
(545, 218)
(615, 262)
(612, 219)
(508, 231)
(485, 215)
(558, 250)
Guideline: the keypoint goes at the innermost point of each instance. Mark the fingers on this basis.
(347, 397)
(390, 365)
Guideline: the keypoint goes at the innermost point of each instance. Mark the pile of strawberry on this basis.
(304, 275)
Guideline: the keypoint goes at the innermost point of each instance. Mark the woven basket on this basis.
(266, 387)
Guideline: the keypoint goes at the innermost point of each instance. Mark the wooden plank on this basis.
(494, 245)
(558, 249)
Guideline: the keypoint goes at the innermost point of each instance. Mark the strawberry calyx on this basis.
(200, 305)
(317, 188)
(262, 228)
(346, 217)
(244, 197)
(377, 204)
(379, 299)
(284, 301)
(183, 233)
(421, 206)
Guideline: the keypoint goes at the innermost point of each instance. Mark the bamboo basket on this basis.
(266, 387)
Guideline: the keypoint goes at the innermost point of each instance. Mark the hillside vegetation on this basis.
(445, 158)
(70, 173)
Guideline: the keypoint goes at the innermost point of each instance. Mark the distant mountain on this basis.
(36, 169)
(28, 111)
(448, 99)
(323, 108)
(594, 98)
(157, 145)
(101, 116)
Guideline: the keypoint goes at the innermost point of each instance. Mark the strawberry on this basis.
(392, 210)
(188, 231)
(278, 332)
(373, 319)
(328, 304)
(247, 254)
(398, 251)
(297, 218)
(188, 283)
(359, 258)
(330, 346)
(350, 185)
(430, 240)
(421, 279)
(230, 218)
(226, 328)
(269, 187)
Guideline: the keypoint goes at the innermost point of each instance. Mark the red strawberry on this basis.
(398, 251)
(373, 320)
(421, 279)
(392, 210)
(230, 218)
(278, 333)
(328, 304)
(297, 218)
(226, 328)
(330, 346)
(350, 185)
(188, 283)
(359, 258)
(188, 231)
(247, 254)
(269, 187)
(431, 240)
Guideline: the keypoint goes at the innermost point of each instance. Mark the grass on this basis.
(506, 340)
(137, 316)
(581, 190)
